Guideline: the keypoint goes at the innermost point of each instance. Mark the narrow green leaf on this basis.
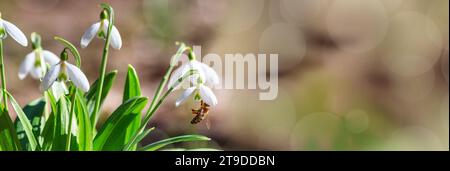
(34, 112)
(134, 142)
(48, 132)
(91, 95)
(84, 137)
(159, 144)
(28, 128)
(61, 120)
(72, 49)
(8, 137)
(132, 88)
(108, 136)
(52, 100)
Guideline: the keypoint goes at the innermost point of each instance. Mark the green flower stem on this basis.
(161, 86)
(72, 107)
(94, 116)
(2, 66)
(163, 82)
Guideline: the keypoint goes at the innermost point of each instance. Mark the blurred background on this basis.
(353, 74)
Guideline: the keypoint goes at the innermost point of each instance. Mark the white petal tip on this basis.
(22, 76)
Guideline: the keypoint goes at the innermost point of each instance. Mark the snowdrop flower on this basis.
(206, 77)
(100, 29)
(64, 71)
(7, 28)
(36, 62)
(205, 73)
(201, 92)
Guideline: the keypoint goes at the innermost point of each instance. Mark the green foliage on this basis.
(34, 112)
(132, 89)
(109, 136)
(184, 138)
(67, 122)
(25, 122)
(8, 137)
(93, 92)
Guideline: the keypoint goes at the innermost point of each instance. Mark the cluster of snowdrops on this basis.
(65, 117)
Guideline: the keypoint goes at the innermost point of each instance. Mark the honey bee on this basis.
(201, 114)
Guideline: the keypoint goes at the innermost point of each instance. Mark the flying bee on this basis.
(201, 114)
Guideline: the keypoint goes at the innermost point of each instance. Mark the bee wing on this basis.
(207, 122)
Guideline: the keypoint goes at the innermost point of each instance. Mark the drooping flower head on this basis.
(100, 30)
(36, 62)
(63, 72)
(198, 83)
(7, 28)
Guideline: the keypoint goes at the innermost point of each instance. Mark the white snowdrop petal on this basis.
(195, 65)
(177, 74)
(50, 57)
(116, 40)
(207, 95)
(90, 33)
(26, 65)
(77, 77)
(59, 89)
(212, 78)
(184, 96)
(15, 33)
(50, 77)
(36, 72)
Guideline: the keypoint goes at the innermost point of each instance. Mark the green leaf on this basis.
(8, 137)
(61, 120)
(53, 102)
(84, 137)
(132, 89)
(28, 128)
(159, 144)
(91, 95)
(72, 49)
(108, 136)
(34, 112)
(48, 133)
(134, 142)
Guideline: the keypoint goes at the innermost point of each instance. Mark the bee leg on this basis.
(195, 111)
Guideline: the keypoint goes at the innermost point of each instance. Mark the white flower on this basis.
(206, 77)
(100, 29)
(65, 71)
(203, 91)
(36, 66)
(205, 73)
(7, 28)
